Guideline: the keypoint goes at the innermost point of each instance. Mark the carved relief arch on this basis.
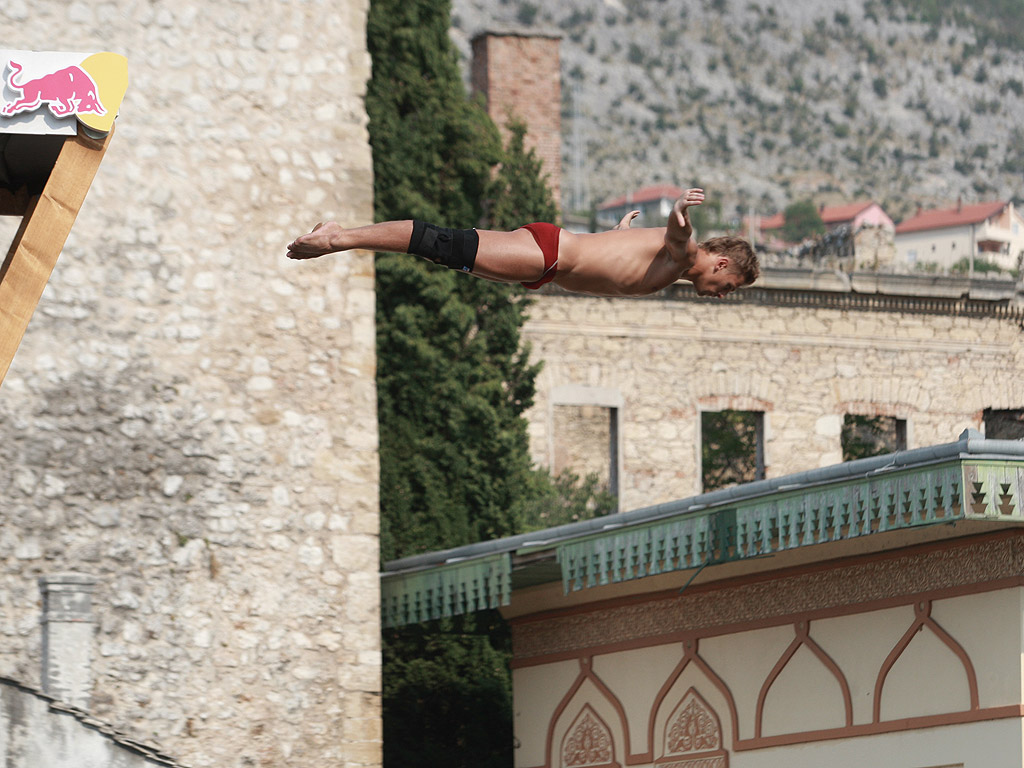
(688, 710)
(588, 743)
(693, 736)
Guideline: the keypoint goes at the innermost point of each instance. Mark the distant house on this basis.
(865, 221)
(654, 203)
(865, 213)
(991, 231)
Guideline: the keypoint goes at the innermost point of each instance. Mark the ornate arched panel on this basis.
(693, 736)
(588, 743)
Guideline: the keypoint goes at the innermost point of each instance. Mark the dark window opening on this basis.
(865, 436)
(1005, 424)
(732, 448)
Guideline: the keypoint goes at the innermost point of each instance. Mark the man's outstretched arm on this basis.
(677, 237)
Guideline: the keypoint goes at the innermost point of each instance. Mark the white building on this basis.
(993, 232)
(867, 613)
(654, 204)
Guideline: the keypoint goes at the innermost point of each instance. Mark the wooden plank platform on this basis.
(45, 226)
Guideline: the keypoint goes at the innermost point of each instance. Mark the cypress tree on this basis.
(453, 382)
(452, 379)
(433, 148)
(519, 193)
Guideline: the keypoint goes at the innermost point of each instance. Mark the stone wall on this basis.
(668, 359)
(191, 418)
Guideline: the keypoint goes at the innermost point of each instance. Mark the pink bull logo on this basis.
(69, 91)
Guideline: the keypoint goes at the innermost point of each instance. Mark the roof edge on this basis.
(970, 443)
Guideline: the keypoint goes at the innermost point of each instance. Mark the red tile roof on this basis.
(644, 195)
(830, 214)
(836, 213)
(941, 218)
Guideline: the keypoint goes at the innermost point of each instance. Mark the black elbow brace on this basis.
(452, 248)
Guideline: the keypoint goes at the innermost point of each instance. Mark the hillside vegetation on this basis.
(912, 102)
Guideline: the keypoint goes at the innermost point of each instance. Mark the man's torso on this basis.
(627, 262)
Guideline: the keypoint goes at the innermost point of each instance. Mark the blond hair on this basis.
(742, 259)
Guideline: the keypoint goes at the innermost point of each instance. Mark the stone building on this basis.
(43, 731)
(626, 382)
(190, 419)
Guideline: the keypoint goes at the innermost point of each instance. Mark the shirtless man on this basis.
(622, 262)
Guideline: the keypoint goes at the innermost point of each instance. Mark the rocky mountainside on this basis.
(907, 102)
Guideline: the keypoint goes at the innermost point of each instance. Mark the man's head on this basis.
(723, 265)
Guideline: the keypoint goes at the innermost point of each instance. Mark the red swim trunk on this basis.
(546, 236)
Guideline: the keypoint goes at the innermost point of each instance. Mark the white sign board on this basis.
(46, 92)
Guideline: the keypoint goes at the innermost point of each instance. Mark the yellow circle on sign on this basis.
(110, 73)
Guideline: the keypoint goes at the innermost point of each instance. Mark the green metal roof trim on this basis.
(973, 478)
(789, 519)
(446, 590)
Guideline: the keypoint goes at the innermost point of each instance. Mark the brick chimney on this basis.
(518, 72)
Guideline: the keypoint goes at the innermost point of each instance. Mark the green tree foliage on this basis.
(864, 436)
(706, 218)
(981, 266)
(802, 220)
(563, 499)
(519, 193)
(729, 448)
(453, 381)
(448, 694)
(433, 148)
(452, 385)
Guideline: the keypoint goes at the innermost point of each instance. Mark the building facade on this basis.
(864, 613)
(940, 238)
(866, 213)
(626, 382)
(654, 204)
(190, 420)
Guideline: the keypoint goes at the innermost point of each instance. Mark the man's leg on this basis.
(390, 236)
(508, 257)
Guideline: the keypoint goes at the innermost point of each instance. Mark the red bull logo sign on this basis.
(46, 92)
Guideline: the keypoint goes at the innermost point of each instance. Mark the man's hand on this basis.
(317, 243)
(626, 220)
(688, 198)
(677, 236)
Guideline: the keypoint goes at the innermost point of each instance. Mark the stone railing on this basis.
(874, 292)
